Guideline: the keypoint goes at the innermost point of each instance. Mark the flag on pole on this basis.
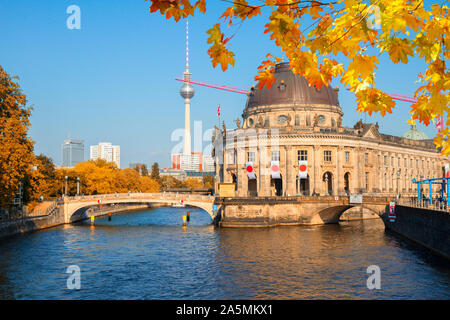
(250, 170)
(275, 169)
(218, 111)
(303, 169)
(440, 123)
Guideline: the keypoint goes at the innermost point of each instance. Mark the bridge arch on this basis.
(76, 209)
(332, 214)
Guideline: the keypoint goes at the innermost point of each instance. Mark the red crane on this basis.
(246, 92)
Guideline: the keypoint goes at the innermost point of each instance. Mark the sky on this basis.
(113, 80)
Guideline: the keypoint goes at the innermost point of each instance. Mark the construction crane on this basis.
(246, 92)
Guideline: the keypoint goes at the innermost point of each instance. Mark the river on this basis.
(148, 255)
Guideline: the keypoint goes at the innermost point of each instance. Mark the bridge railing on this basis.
(438, 205)
(138, 195)
(21, 215)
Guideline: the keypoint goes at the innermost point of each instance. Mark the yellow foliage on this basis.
(16, 148)
(408, 28)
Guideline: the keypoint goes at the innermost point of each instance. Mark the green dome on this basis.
(415, 134)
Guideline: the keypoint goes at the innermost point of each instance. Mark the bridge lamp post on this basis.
(78, 186)
(398, 184)
(65, 192)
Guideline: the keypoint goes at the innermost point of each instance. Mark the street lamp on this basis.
(398, 183)
(326, 184)
(65, 193)
(78, 186)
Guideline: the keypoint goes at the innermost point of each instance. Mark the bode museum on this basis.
(291, 142)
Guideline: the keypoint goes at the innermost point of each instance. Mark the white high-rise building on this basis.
(208, 164)
(116, 155)
(190, 162)
(107, 152)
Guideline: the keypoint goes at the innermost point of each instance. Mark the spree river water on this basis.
(148, 255)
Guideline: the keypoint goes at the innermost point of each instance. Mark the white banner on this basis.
(250, 170)
(303, 169)
(447, 170)
(356, 198)
(275, 169)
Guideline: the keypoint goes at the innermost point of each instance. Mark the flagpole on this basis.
(218, 113)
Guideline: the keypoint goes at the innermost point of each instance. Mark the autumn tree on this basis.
(208, 182)
(343, 39)
(16, 148)
(41, 180)
(100, 177)
(193, 183)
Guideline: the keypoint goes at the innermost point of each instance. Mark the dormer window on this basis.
(282, 119)
(282, 86)
(321, 119)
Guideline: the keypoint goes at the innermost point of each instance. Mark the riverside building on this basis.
(292, 142)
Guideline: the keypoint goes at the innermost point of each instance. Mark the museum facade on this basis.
(292, 142)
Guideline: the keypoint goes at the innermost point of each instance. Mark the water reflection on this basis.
(149, 255)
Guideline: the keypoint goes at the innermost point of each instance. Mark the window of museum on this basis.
(302, 155)
(367, 181)
(275, 155)
(392, 161)
(327, 156)
(411, 163)
(297, 120)
(251, 157)
(385, 161)
(347, 156)
(417, 163)
(399, 162)
(366, 158)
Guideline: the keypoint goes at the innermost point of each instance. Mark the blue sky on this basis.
(113, 80)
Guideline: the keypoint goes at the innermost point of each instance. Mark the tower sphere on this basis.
(187, 91)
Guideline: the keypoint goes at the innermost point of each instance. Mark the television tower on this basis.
(187, 92)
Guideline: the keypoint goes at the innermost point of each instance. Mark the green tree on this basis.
(155, 172)
(144, 170)
(16, 148)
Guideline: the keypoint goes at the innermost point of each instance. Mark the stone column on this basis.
(340, 174)
(264, 176)
(313, 166)
(357, 166)
(291, 171)
(285, 169)
(241, 172)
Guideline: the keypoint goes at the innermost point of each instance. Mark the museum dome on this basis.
(291, 89)
(415, 134)
(292, 94)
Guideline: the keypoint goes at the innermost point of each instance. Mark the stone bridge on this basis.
(235, 211)
(307, 210)
(76, 208)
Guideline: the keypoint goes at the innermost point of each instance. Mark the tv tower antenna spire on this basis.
(187, 45)
(187, 92)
